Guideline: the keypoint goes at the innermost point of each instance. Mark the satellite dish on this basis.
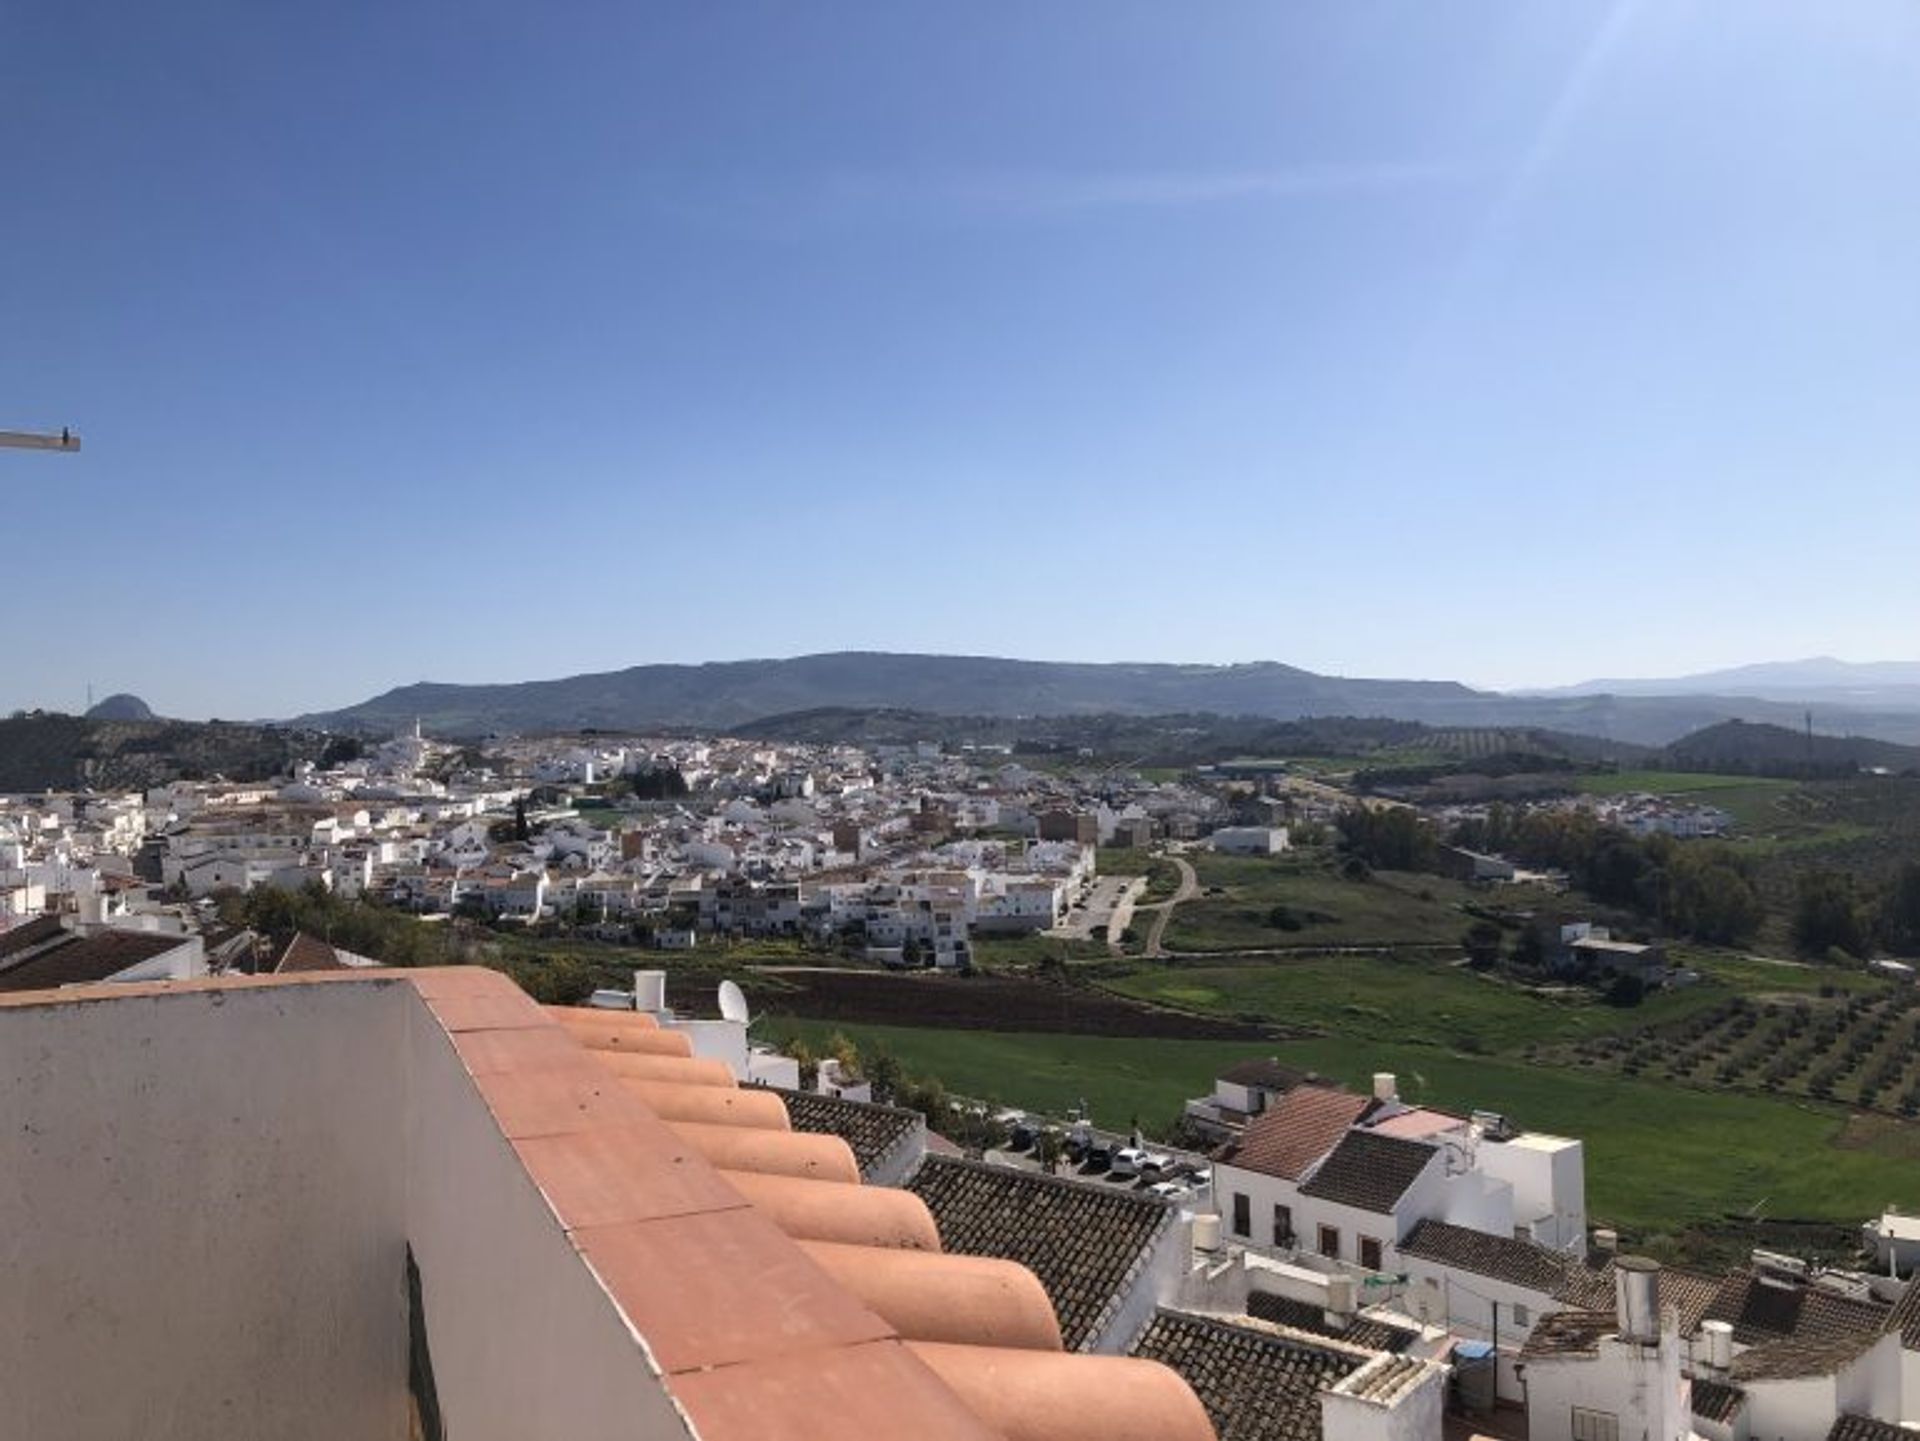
(733, 1003)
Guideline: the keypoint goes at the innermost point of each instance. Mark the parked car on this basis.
(1154, 1166)
(1126, 1162)
(1021, 1138)
(1168, 1191)
(1098, 1158)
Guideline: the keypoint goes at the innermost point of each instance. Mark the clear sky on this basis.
(1494, 340)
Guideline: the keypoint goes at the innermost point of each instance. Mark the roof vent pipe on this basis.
(1719, 1335)
(1636, 1289)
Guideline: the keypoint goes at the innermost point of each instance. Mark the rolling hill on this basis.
(721, 695)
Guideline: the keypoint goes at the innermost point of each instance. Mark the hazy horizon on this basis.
(1510, 344)
(102, 692)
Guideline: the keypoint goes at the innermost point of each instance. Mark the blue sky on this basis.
(1491, 340)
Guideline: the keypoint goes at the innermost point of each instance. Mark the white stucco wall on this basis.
(1640, 1386)
(1792, 1410)
(206, 1199)
(202, 1203)
(1417, 1416)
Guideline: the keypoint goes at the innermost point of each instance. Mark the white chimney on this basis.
(1340, 1295)
(1636, 1289)
(1386, 1086)
(1719, 1335)
(1604, 1240)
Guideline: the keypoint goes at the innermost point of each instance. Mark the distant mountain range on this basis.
(722, 695)
(1872, 685)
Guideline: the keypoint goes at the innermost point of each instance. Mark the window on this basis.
(1330, 1242)
(1521, 1315)
(1283, 1225)
(1370, 1253)
(1595, 1425)
(1242, 1215)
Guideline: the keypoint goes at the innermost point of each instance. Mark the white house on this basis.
(1249, 840)
(1610, 1375)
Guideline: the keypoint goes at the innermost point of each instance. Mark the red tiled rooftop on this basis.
(758, 1333)
(1297, 1130)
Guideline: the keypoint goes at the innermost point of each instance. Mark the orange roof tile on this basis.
(1297, 1130)
(760, 1329)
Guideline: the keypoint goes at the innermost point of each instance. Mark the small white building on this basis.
(1249, 840)
(1610, 1375)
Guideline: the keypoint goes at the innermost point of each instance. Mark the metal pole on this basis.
(37, 440)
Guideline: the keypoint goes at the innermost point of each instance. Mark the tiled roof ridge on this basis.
(1040, 1178)
(1144, 1258)
(1281, 1335)
(594, 1146)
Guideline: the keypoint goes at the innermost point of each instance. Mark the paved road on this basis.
(1189, 888)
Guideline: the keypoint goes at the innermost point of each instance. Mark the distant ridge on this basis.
(1892, 685)
(1776, 750)
(722, 695)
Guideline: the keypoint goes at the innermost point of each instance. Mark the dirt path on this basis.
(1189, 888)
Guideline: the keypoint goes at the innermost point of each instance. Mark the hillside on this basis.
(47, 751)
(121, 707)
(1880, 685)
(726, 694)
(1776, 750)
(1185, 739)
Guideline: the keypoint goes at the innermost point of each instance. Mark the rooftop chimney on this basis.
(1386, 1086)
(1636, 1289)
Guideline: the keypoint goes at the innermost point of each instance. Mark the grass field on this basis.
(1000, 952)
(1414, 999)
(1658, 1158)
(1162, 879)
(1391, 908)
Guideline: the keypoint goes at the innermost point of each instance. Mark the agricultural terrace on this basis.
(1861, 1050)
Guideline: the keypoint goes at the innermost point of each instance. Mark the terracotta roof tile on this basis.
(1295, 1131)
(1480, 1253)
(84, 960)
(723, 1287)
(1303, 1316)
(872, 1131)
(1906, 1318)
(1792, 1357)
(866, 1392)
(307, 953)
(1256, 1386)
(1719, 1403)
(1849, 1427)
(1761, 1310)
(1569, 1333)
(1085, 1243)
(1369, 1172)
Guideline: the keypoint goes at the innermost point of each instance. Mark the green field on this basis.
(1658, 1158)
(1391, 908)
(1413, 1000)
